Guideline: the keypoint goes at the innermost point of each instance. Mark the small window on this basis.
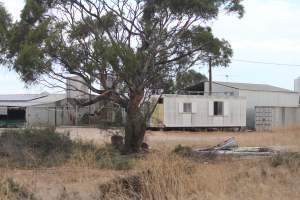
(218, 108)
(187, 107)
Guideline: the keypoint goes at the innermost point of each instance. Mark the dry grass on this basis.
(287, 138)
(162, 175)
(171, 177)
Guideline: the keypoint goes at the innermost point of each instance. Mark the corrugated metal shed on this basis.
(240, 86)
(51, 98)
(254, 87)
(29, 100)
(20, 97)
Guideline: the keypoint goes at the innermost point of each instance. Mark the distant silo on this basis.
(297, 85)
(77, 88)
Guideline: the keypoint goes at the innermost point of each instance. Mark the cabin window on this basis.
(218, 108)
(187, 107)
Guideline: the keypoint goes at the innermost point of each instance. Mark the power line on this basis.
(266, 63)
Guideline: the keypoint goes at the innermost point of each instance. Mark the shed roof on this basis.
(29, 100)
(20, 97)
(254, 87)
(51, 98)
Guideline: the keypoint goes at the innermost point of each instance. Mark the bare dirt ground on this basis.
(95, 135)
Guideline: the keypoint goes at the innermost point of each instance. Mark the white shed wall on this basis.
(234, 115)
(265, 98)
(49, 116)
(58, 113)
(268, 118)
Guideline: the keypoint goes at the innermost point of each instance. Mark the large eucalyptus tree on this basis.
(137, 42)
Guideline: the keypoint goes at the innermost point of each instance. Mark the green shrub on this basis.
(183, 150)
(27, 148)
(288, 159)
(9, 189)
(32, 148)
(110, 158)
(107, 157)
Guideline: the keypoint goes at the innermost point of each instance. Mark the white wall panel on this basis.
(235, 111)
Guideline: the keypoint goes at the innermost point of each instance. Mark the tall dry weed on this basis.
(159, 176)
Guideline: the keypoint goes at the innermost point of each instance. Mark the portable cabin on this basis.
(198, 111)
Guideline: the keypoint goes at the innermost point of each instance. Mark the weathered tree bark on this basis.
(136, 124)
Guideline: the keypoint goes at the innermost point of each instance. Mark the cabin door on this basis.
(187, 119)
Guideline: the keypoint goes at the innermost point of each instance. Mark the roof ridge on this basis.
(239, 85)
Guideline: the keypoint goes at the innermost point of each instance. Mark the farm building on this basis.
(196, 111)
(28, 110)
(255, 94)
(270, 117)
(43, 110)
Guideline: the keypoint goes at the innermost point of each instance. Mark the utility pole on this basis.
(210, 76)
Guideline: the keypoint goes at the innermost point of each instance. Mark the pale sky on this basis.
(269, 32)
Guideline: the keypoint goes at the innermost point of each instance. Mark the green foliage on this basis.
(9, 189)
(5, 24)
(33, 148)
(39, 33)
(5, 21)
(207, 9)
(107, 157)
(189, 78)
(111, 158)
(33, 11)
(288, 159)
(183, 151)
(29, 62)
(45, 34)
(166, 84)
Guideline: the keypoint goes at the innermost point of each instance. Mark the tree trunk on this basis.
(135, 125)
